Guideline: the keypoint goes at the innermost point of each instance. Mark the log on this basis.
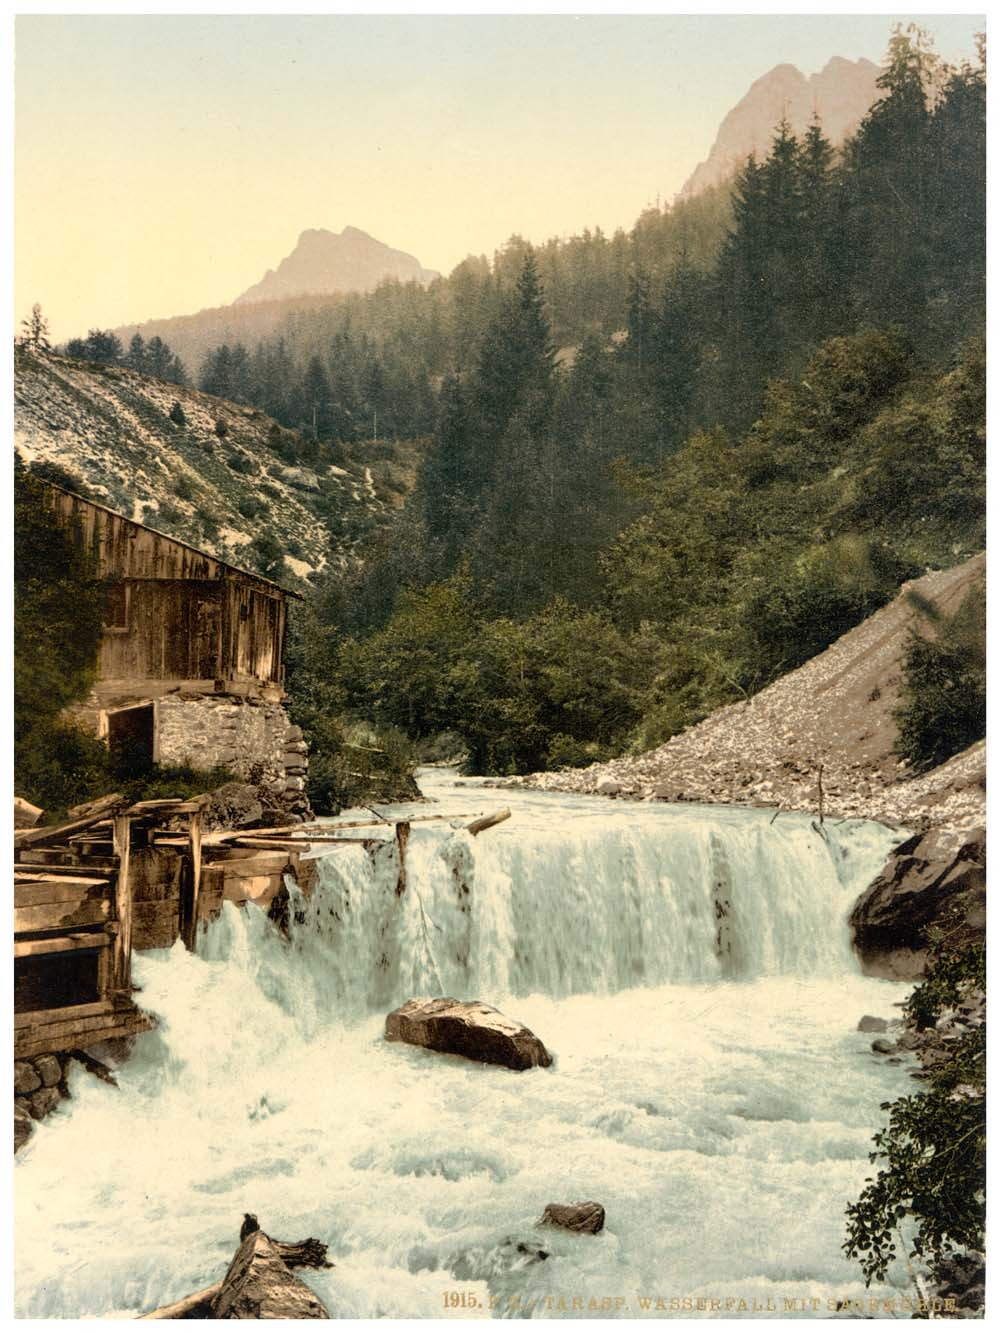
(37, 837)
(191, 921)
(260, 1285)
(198, 1306)
(484, 822)
(308, 1253)
(94, 1066)
(121, 978)
(402, 838)
(26, 815)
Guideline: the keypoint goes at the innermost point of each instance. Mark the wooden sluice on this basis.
(117, 877)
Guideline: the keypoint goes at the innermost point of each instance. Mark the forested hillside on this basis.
(602, 548)
(653, 471)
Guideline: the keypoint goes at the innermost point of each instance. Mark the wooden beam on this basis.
(96, 939)
(41, 889)
(37, 837)
(38, 1041)
(26, 815)
(402, 837)
(191, 920)
(71, 1013)
(487, 821)
(54, 916)
(46, 870)
(121, 972)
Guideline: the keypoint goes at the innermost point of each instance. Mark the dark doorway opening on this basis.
(56, 981)
(130, 741)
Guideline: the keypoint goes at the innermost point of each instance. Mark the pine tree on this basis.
(35, 330)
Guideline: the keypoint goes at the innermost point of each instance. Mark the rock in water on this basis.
(22, 1127)
(869, 1023)
(927, 886)
(586, 1217)
(469, 1028)
(259, 1285)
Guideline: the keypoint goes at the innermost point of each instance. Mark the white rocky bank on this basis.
(834, 712)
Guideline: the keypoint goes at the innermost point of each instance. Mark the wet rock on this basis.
(42, 1102)
(871, 1024)
(49, 1070)
(260, 1285)
(472, 1029)
(23, 1128)
(926, 885)
(882, 1046)
(233, 805)
(26, 1079)
(587, 1217)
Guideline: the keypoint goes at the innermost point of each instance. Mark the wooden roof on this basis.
(124, 555)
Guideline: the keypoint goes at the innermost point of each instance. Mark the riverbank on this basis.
(819, 739)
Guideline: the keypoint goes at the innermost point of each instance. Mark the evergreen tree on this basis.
(35, 330)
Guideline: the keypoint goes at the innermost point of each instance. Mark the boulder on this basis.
(882, 1046)
(26, 1078)
(608, 787)
(23, 1128)
(472, 1029)
(926, 887)
(233, 805)
(42, 1102)
(260, 1285)
(49, 1070)
(871, 1024)
(585, 1217)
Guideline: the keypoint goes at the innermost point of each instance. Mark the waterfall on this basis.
(598, 905)
(690, 970)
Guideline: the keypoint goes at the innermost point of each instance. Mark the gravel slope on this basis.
(835, 711)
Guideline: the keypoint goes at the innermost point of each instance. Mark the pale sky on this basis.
(163, 163)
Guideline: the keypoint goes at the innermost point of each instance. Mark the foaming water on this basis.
(688, 967)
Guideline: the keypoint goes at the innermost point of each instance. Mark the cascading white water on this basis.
(689, 967)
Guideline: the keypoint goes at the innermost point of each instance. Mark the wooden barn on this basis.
(177, 622)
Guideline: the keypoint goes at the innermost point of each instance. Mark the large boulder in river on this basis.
(586, 1217)
(260, 1285)
(469, 1028)
(928, 887)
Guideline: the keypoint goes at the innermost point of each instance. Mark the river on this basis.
(688, 967)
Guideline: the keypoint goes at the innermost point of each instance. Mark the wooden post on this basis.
(819, 784)
(191, 923)
(402, 838)
(121, 972)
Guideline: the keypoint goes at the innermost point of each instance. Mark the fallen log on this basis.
(260, 1285)
(259, 1278)
(484, 822)
(198, 1306)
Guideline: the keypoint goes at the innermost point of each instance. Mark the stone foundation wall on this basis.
(39, 1087)
(248, 736)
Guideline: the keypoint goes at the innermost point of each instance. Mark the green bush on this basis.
(933, 1147)
(943, 697)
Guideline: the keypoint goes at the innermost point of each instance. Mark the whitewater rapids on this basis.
(688, 967)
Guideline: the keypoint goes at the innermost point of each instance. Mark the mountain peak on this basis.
(324, 262)
(840, 94)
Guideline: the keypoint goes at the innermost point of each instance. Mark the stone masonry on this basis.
(250, 737)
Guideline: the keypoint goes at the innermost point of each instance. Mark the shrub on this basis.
(184, 487)
(943, 697)
(176, 414)
(221, 429)
(934, 1144)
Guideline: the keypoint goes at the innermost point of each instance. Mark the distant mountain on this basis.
(324, 262)
(841, 95)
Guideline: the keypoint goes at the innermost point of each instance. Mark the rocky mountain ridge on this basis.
(324, 262)
(207, 471)
(840, 95)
